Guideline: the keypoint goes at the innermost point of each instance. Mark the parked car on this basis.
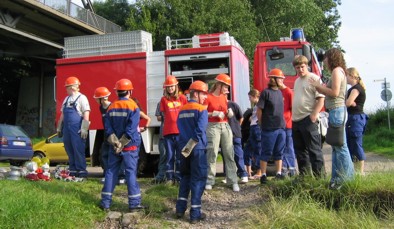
(53, 148)
(15, 145)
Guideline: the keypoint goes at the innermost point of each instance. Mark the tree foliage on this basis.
(114, 10)
(249, 21)
(318, 18)
(185, 18)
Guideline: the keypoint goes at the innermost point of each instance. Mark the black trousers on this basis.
(307, 147)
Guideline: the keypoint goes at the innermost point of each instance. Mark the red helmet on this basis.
(101, 92)
(199, 86)
(72, 80)
(276, 73)
(123, 85)
(224, 79)
(170, 81)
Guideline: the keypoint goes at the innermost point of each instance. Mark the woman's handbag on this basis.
(335, 134)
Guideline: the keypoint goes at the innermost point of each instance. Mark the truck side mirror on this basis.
(276, 54)
(320, 55)
(306, 51)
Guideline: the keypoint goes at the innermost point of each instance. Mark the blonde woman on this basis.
(357, 119)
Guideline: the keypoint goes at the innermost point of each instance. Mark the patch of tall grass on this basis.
(378, 137)
(365, 202)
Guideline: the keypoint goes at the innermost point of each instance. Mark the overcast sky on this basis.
(367, 36)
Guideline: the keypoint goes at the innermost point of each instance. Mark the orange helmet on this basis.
(101, 92)
(170, 81)
(199, 86)
(276, 73)
(72, 80)
(123, 85)
(224, 79)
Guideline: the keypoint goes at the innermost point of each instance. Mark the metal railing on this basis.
(83, 15)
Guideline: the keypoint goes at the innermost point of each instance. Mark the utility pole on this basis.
(386, 95)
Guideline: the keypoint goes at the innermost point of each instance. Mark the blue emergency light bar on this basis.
(297, 34)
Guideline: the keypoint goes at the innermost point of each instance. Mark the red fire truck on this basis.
(280, 54)
(101, 60)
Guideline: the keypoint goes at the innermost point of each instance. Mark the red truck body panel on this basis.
(102, 71)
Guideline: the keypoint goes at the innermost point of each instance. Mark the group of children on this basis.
(209, 121)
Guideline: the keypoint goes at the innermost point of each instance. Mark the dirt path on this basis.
(374, 162)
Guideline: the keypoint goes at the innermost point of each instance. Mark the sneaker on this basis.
(235, 188)
(263, 179)
(244, 180)
(334, 186)
(157, 181)
(208, 187)
(224, 181)
(280, 176)
(179, 215)
(122, 181)
(292, 172)
(137, 208)
(202, 217)
(103, 180)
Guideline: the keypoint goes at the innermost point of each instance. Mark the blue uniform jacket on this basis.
(192, 123)
(123, 117)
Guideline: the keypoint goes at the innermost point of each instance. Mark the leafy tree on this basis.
(185, 18)
(116, 11)
(318, 18)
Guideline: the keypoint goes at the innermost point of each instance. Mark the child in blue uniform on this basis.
(121, 127)
(192, 123)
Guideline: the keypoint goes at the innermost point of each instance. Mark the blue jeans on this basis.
(173, 157)
(161, 173)
(288, 154)
(342, 165)
(239, 158)
(253, 147)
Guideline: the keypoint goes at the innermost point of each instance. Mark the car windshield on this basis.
(14, 131)
(285, 63)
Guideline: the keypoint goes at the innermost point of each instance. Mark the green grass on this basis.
(378, 138)
(366, 202)
(55, 204)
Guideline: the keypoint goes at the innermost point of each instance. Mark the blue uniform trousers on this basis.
(73, 143)
(130, 162)
(355, 128)
(194, 171)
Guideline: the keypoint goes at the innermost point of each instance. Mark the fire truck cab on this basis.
(280, 54)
